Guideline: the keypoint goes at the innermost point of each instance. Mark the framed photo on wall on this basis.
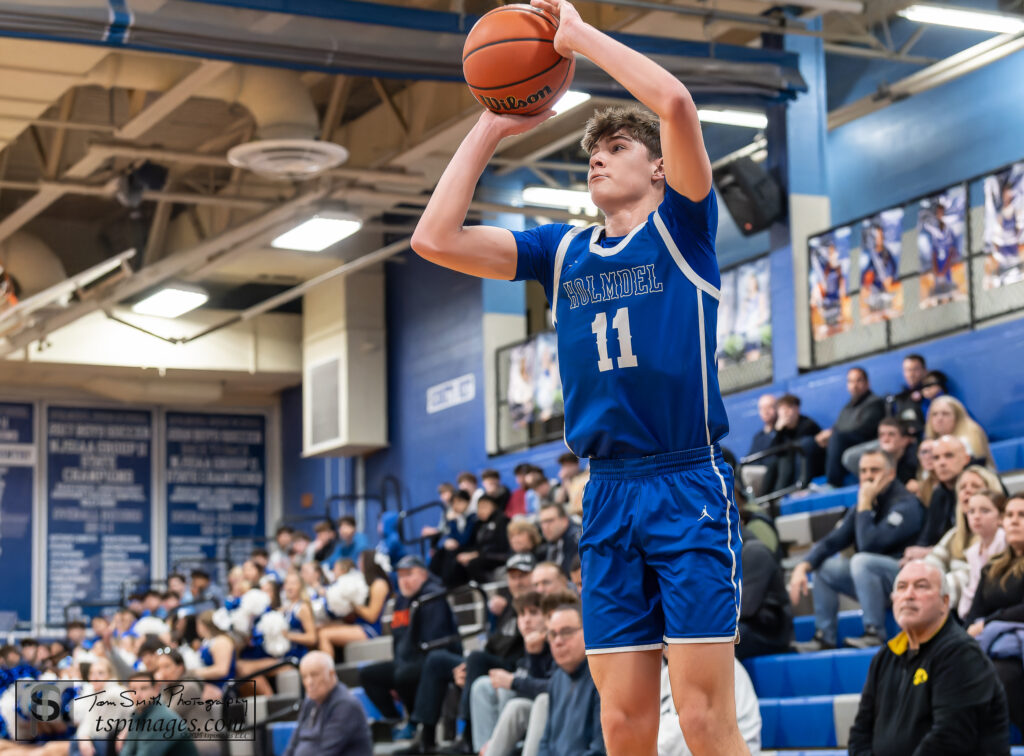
(1004, 227)
(881, 293)
(829, 282)
(940, 246)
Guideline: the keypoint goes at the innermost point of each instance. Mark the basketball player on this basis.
(635, 305)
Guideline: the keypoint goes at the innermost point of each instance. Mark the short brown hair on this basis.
(640, 123)
(530, 599)
(790, 400)
(527, 527)
(552, 602)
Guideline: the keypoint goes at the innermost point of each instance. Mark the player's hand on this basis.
(798, 583)
(505, 125)
(501, 678)
(569, 22)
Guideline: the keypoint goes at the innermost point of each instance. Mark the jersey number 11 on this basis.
(621, 325)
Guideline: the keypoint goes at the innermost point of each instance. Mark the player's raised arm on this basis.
(687, 167)
(484, 251)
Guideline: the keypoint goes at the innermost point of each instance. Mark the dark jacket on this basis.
(431, 621)
(491, 540)
(157, 718)
(942, 700)
(861, 416)
(906, 466)
(565, 549)
(185, 698)
(338, 727)
(574, 715)
(533, 674)
(805, 426)
(940, 517)
(996, 600)
(762, 440)
(459, 530)
(888, 528)
(908, 406)
(505, 641)
(765, 607)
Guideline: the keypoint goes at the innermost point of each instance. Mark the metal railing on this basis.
(465, 632)
(421, 540)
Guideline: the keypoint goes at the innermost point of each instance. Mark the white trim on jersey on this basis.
(597, 249)
(680, 261)
(624, 649)
(563, 246)
(737, 587)
(703, 360)
(683, 641)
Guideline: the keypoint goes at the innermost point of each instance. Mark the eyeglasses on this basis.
(564, 633)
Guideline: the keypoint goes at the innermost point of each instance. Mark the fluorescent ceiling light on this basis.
(171, 301)
(748, 118)
(571, 199)
(944, 15)
(318, 233)
(569, 100)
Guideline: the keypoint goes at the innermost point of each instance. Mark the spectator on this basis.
(184, 697)
(500, 703)
(767, 410)
(390, 546)
(75, 632)
(494, 488)
(886, 518)
(300, 548)
(949, 554)
(445, 491)
(350, 544)
(216, 651)
(792, 467)
(895, 439)
(572, 481)
(151, 716)
(908, 405)
(576, 574)
(466, 481)
(931, 690)
(984, 514)
(365, 622)
(950, 460)
(1000, 596)
(331, 721)
(433, 621)
(947, 417)
(523, 537)
(857, 422)
(459, 529)
(748, 715)
(488, 548)
(561, 536)
(281, 555)
(517, 500)
(923, 484)
(202, 589)
(548, 578)
(935, 384)
(574, 717)
(766, 619)
(538, 491)
(323, 542)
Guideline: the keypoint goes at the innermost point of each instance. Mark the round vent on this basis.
(287, 159)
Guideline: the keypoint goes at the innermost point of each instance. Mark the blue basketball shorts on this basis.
(660, 552)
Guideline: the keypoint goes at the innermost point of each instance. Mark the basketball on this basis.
(510, 64)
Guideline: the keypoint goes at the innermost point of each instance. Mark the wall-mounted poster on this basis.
(1004, 227)
(520, 385)
(881, 240)
(726, 316)
(750, 334)
(829, 276)
(940, 245)
(547, 395)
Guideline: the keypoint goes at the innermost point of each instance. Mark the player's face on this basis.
(621, 171)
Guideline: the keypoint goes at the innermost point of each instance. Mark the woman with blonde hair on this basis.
(948, 417)
(949, 554)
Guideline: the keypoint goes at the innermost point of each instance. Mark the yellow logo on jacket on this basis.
(920, 677)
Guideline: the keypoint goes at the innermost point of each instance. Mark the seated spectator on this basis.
(935, 384)
(299, 548)
(184, 697)
(455, 536)
(574, 709)
(217, 653)
(517, 500)
(576, 575)
(923, 483)
(885, 520)
(331, 721)
(281, 555)
(365, 621)
(151, 716)
(493, 487)
(984, 515)
(1000, 596)
(434, 621)
(931, 690)
(89, 740)
(909, 405)
(748, 716)
(895, 440)
(176, 584)
(792, 428)
(767, 410)
(857, 422)
(202, 589)
(571, 482)
(538, 491)
(323, 542)
(950, 459)
(501, 691)
(949, 554)
(548, 578)
(561, 536)
(488, 548)
(466, 481)
(523, 537)
(766, 618)
(350, 543)
(947, 417)
(390, 545)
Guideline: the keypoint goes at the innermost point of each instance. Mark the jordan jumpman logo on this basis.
(705, 514)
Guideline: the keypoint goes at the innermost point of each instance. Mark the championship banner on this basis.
(940, 246)
(829, 276)
(881, 293)
(1004, 227)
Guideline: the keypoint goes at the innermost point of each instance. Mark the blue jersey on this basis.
(636, 318)
(833, 277)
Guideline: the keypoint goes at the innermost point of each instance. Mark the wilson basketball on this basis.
(510, 63)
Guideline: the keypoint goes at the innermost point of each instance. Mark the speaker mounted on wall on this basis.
(753, 196)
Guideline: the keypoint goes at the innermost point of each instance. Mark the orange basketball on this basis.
(510, 63)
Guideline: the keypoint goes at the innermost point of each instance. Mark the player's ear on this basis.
(658, 169)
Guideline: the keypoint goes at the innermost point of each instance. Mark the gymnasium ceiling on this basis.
(89, 102)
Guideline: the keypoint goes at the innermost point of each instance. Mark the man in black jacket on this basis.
(885, 520)
(561, 536)
(791, 427)
(432, 620)
(951, 458)
(857, 423)
(932, 691)
(489, 547)
(766, 619)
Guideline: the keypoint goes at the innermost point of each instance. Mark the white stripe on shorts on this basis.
(623, 649)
